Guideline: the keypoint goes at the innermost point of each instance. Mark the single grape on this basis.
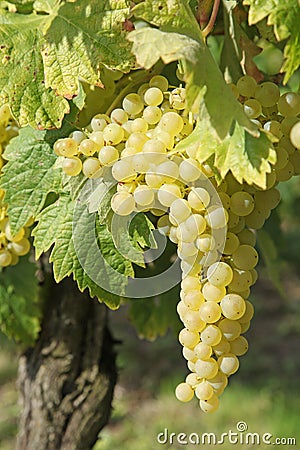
(184, 392)
(189, 170)
(205, 243)
(189, 354)
(88, 147)
(295, 135)
(202, 351)
(231, 329)
(241, 203)
(219, 274)
(66, 147)
(143, 195)
(21, 247)
(188, 338)
(192, 321)
(119, 116)
(231, 244)
(133, 104)
(153, 96)
(210, 312)
(189, 283)
(211, 405)
(207, 368)
(169, 170)
(5, 258)
(228, 363)
(213, 293)
(123, 171)
(222, 347)
(179, 210)
(198, 199)
(216, 217)
(289, 104)
(160, 82)
(252, 108)
(113, 134)
(239, 346)
(267, 94)
(123, 203)
(204, 390)
(72, 166)
(245, 257)
(233, 306)
(211, 335)
(192, 379)
(97, 137)
(219, 383)
(99, 122)
(171, 122)
(246, 86)
(91, 168)
(152, 115)
(248, 314)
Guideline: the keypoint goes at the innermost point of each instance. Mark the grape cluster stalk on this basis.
(213, 224)
(11, 246)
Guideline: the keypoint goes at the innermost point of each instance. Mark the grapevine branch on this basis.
(212, 19)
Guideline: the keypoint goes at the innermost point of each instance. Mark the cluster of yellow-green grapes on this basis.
(213, 225)
(11, 246)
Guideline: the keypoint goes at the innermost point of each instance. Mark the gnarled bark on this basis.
(67, 380)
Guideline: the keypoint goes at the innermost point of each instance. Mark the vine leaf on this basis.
(28, 176)
(150, 44)
(268, 249)
(207, 92)
(30, 173)
(45, 55)
(238, 152)
(55, 229)
(154, 316)
(22, 82)
(79, 38)
(285, 17)
(238, 50)
(19, 308)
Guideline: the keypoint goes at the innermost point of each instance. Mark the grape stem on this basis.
(212, 20)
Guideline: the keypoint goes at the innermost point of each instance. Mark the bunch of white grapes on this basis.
(212, 224)
(11, 246)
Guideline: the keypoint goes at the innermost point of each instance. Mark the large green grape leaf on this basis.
(30, 173)
(150, 44)
(45, 55)
(285, 17)
(269, 253)
(19, 308)
(55, 229)
(132, 238)
(248, 158)
(80, 37)
(238, 50)
(22, 83)
(170, 15)
(154, 316)
(207, 92)
(28, 176)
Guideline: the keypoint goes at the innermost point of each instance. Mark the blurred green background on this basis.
(265, 392)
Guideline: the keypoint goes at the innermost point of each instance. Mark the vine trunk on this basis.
(67, 380)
